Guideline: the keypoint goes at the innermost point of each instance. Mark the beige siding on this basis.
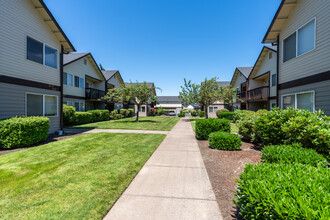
(213, 114)
(267, 65)
(317, 60)
(78, 68)
(238, 81)
(13, 103)
(115, 81)
(20, 19)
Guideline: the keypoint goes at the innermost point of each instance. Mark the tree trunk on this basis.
(137, 114)
(206, 112)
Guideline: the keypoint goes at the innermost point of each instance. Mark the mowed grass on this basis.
(75, 178)
(145, 123)
(233, 127)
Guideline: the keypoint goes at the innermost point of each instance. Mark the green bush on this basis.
(226, 115)
(99, 115)
(181, 115)
(83, 118)
(224, 141)
(221, 110)
(240, 114)
(160, 111)
(113, 114)
(284, 191)
(119, 116)
(246, 127)
(124, 112)
(131, 112)
(68, 115)
(23, 131)
(193, 113)
(292, 154)
(204, 127)
(201, 114)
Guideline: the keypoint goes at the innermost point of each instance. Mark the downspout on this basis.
(277, 70)
(61, 95)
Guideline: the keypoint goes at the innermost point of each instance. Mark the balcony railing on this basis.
(261, 93)
(91, 93)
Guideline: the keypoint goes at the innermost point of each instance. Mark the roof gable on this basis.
(263, 54)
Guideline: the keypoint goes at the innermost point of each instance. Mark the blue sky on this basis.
(165, 41)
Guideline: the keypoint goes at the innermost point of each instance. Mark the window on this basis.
(65, 78)
(81, 106)
(41, 53)
(76, 106)
(35, 50)
(270, 55)
(274, 79)
(300, 42)
(76, 81)
(41, 105)
(272, 105)
(143, 109)
(81, 83)
(302, 100)
(69, 103)
(50, 105)
(50, 57)
(70, 79)
(85, 61)
(213, 109)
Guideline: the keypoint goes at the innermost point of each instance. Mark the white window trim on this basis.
(296, 32)
(44, 57)
(295, 98)
(43, 103)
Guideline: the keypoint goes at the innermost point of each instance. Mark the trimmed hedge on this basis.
(221, 110)
(224, 141)
(99, 115)
(226, 115)
(292, 155)
(23, 131)
(193, 113)
(181, 115)
(83, 118)
(201, 114)
(204, 127)
(68, 115)
(124, 112)
(119, 116)
(284, 191)
(131, 112)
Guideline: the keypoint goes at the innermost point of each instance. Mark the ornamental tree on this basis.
(137, 93)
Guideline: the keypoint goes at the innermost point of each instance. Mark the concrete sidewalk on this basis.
(173, 184)
(92, 131)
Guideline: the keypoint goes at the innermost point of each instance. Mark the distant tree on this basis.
(210, 92)
(228, 94)
(189, 94)
(101, 67)
(137, 93)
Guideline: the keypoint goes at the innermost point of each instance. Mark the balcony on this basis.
(94, 94)
(261, 93)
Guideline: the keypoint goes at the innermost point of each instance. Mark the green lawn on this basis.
(145, 123)
(233, 127)
(75, 178)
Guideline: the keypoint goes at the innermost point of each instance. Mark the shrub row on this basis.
(201, 114)
(284, 191)
(226, 115)
(23, 131)
(70, 116)
(193, 113)
(205, 127)
(181, 115)
(224, 141)
(288, 126)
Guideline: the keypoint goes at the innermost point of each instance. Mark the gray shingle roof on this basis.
(245, 71)
(224, 83)
(68, 58)
(172, 99)
(109, 73)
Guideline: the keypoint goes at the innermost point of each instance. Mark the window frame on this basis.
(43, 53)
(43, 104)
(296, 100)
(75, 82)
(296, 32)
(272, 80)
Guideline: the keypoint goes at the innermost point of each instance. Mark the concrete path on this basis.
(173, 184)
(89, 131)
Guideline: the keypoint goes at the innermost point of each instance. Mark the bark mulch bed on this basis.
(223, 167)
(50, 138)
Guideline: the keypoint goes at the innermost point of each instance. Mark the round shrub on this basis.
(124, 112)
(160, 111)
(113, 114)
(131, 112)
(193, 113)
(204, 127)
(201, 114)
(292, 155)
(68, 115)
(221, 110)
(181, 115)
(226, 115)
(283, 191)
(246, 127)
(224, 141)
(23, 131)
